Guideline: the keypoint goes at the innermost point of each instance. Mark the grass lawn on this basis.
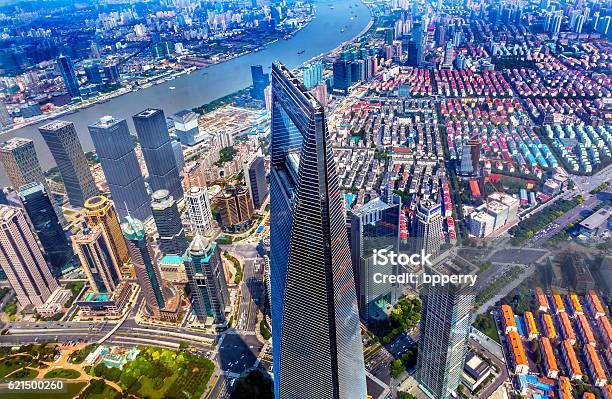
(63, 373)
(11, 364)
(23, 374)
(71, 392)
(147, 389)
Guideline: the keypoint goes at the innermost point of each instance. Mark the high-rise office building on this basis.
(186, 128)
(235, 207)
(342, 75)
(428, 235)
(6, 120)
(22, 260)
(115, 149)
(50, 233)
(261, 80)
(470, 157)
(179, 157)
(255, 177)
(18, 156)
(3, 199)
(145, 264)
(206, 277)
(198, 208)
(445, 330)
(93, 247)
(317, 349)
(172, 239)
(63, 142)
(157, 150)
(312, 74)
(66, 68)
(374, 226)
(99, 211)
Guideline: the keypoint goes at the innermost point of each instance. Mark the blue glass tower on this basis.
(261, 80)
(115, 150)
(40, 211)
(317, 349)
(147, 271)
(157, 150)
(204, 269)
(66, 68)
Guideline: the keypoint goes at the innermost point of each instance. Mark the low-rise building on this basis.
(559, 304)
(517, 351)
(475, 371)
(592, 225)
(584, 330)
(596, 372)
(571, 361)
(567, 328)
(564, 388)
(93, 304)
(541, 300)
(172, 269)
(550, 362)
(576, 306)
(532, 328)
(508, 319)
(55, 303)
(605, 331)
(594, 304)
(549, 327)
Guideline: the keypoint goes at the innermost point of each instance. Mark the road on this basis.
(501, 378)
(590, 202)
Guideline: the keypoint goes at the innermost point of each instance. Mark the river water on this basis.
(321, 35)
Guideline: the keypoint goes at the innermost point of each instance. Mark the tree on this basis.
(405, 395)
(397, 368)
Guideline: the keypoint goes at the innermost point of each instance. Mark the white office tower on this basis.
(198, 207)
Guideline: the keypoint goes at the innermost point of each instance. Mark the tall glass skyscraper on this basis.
(157, 150)
(115, 149)
(206, 277)
(172, 239)
(445, 328)
(315, 322)
(66, 68)
(374, 226)
(18, 156)
(63, 142)
(147, 271)
(40, 211)
(93, 247)
(261, 80)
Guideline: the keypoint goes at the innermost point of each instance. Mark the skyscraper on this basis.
(157, 150)
(172, 239)
(147, 272)
(18, 156)
(445, 330)
(255, 176)
(63, 142)
(66, 68)
(342, 75)
(186, 128)
(470, 157)
(312, 74)
(198, 206)
(40, 211)
(428, 234)
(206, 277)
(94, 250)
(22, 260)
(235, 207)
(99, 211)
(261, 80)
(374, 226)
(115, 150)
(179, 157)
(317, 347)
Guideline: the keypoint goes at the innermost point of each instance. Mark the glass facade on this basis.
(39, 209)
(317, 347)
(157, 151)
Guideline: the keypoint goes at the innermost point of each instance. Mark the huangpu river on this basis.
(335, 22)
